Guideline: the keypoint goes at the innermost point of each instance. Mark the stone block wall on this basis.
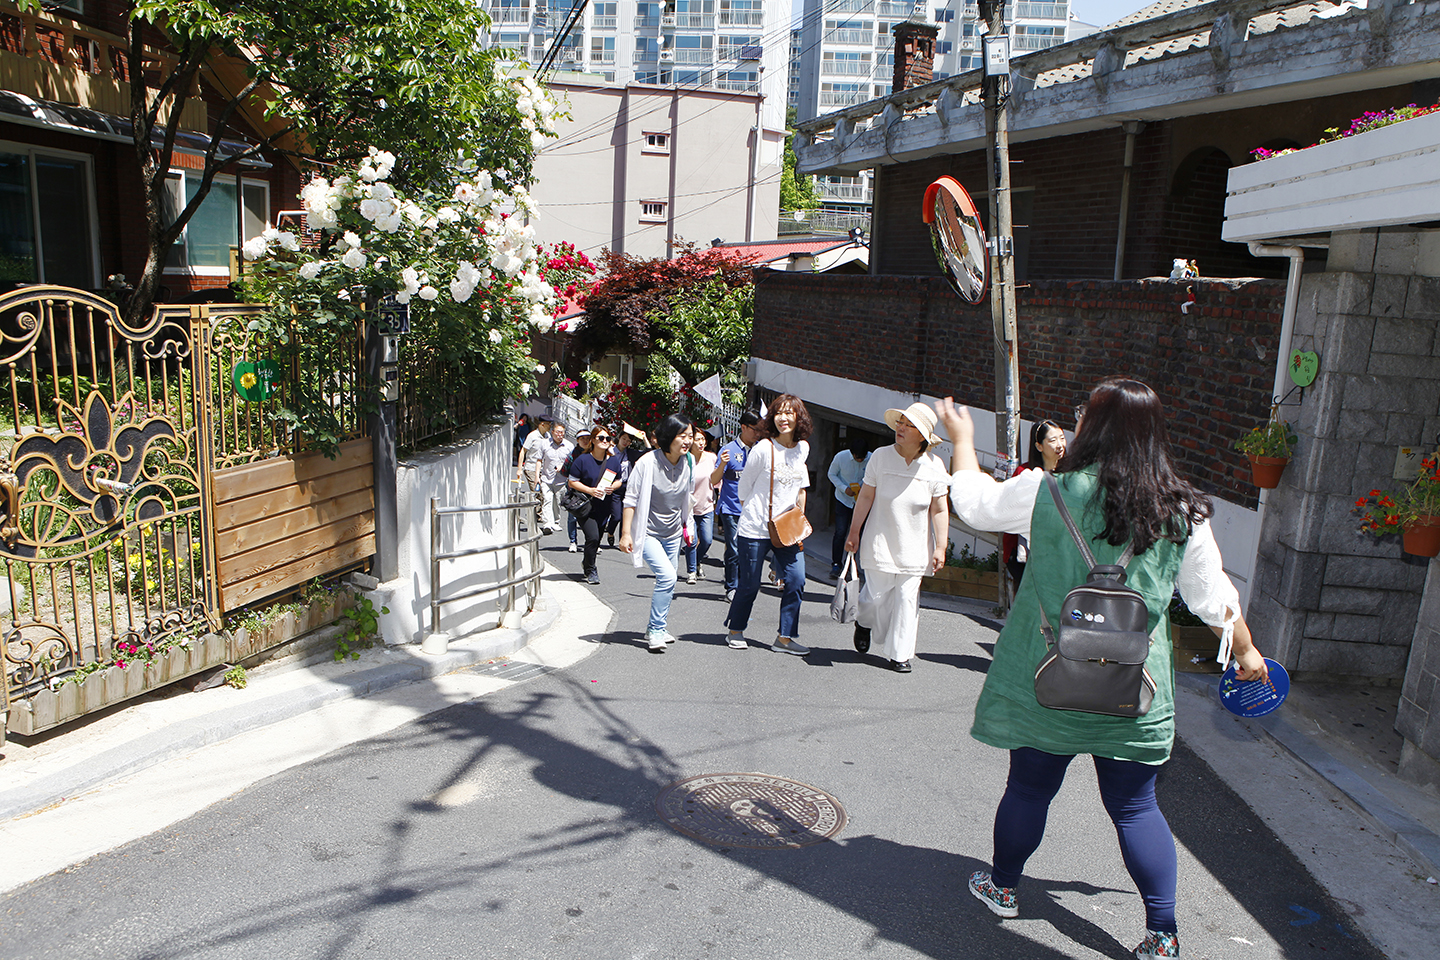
(1418, 719)
(1328, 599)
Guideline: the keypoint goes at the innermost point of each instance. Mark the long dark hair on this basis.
(1038, 433)
(1123, 434)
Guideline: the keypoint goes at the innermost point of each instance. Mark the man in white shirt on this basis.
(527, 469)
(552, 484)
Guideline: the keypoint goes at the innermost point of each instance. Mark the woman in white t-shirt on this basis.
(704, 504)
(903, 511)
(779, 463)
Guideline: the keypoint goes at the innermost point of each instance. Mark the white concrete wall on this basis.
(590, 183)
(476, 471)
(1237, 530)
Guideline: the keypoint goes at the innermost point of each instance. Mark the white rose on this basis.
(289, 242)
(496, 336)
(311, 270)
(428, 292)
(354, 259)
(254, 248)
(351, 238)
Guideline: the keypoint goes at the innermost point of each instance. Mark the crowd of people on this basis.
(1111, 485)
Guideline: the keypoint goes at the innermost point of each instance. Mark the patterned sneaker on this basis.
(786, 645)
(1158, 944)
(691, 578)
(736, 640)
(1001, 900)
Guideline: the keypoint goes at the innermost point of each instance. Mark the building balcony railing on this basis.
(740, 86)
(899, 10)
(832, 99)
(742, 18)
(856, 192)
(510, 15)
(1026, 42)
(702, 58)
(851, 6)
(695, 21)
(646, 22)
(1039, 11)
(603, 23)
(608, 57)
(846, 68)
(647, 56)
(850, 36)
(749, 51)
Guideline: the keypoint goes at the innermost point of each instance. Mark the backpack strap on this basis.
(1125, 557)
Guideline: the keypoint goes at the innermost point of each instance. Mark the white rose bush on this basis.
(461, 254)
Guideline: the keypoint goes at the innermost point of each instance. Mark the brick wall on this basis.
(913, 335)
(1075, 208)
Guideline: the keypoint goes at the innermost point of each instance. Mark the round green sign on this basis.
(255, 381)
(1304, 365)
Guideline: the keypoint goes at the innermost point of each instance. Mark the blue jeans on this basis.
(661, 556)
(704, 536)
(1127, 789)
(571, 527)
(791, 561)
(730, 526)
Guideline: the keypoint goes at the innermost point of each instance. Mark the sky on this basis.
(1103, 12)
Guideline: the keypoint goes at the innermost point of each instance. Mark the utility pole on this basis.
(995, 91)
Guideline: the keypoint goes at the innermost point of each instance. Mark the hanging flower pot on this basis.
(1422, 536)
(1268, 447)
(1266, 471)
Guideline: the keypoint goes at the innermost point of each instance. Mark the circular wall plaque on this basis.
(750, 810)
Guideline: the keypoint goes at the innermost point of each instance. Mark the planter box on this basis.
(1374, 179)
(1191, 642)
(51, 708)
(963, 582)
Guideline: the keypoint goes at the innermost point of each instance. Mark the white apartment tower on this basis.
(741, 45)
(847, 53)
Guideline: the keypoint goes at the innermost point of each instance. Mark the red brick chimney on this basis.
(914, 52)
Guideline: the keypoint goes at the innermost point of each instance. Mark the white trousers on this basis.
(890, 607)
(550, 509)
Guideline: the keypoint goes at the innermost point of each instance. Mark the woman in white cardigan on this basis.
(659, 515)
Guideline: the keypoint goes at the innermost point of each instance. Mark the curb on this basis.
(186, 736)
(1410, 835)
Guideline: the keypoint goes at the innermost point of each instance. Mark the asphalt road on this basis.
(523, 824)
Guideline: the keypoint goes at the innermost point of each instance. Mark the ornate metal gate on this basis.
(106, 538)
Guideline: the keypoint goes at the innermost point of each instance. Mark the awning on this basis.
(82, 121)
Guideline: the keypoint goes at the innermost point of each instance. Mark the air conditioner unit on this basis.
(968, 43)
(751, 51)
(667, 56)
(668, 20)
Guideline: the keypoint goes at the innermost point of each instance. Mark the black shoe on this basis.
(862, 639)
(592, 577)
(900, 666)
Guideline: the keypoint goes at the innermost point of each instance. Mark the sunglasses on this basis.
(601, 436)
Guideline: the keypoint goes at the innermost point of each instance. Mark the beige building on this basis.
(639, 168)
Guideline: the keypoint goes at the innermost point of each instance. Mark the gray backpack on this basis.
(1095, 661)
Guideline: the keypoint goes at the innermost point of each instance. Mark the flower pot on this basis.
(1266, 471)
(1422, 536)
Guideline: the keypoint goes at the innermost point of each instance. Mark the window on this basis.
(652, 211)
(47, 216)
(657, 143)
(602, 49)
(942, 47)
(204, 246)
(944, 16)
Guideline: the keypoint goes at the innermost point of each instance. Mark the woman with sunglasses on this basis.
(588, 474)
(1047, 446)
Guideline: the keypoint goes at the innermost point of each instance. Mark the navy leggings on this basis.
(1127, 789)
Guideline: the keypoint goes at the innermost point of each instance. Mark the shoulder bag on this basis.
(1095, 661)
(791, 527)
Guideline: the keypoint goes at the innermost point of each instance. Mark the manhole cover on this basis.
(750, 810)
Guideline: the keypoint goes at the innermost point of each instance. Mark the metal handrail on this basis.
(504, 588)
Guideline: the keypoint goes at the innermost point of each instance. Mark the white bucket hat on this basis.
(919, 415)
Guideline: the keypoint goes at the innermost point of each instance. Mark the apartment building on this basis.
(737, 45)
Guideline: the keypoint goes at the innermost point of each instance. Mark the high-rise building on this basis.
(847, 52)
(741, 45)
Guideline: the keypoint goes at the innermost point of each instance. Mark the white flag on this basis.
(709, 388)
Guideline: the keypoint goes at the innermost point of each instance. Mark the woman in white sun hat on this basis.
(901, 529)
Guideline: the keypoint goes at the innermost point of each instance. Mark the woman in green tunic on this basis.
(1118, 483)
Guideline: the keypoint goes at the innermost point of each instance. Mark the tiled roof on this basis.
(1153, 11)
(768, 251)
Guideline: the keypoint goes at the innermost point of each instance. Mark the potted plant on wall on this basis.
(1269, 448)
(1414, 513)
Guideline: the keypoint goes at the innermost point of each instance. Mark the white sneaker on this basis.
(574, 548)
(736, 640)
(655, 641)
(669, 637)
(691, 578)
